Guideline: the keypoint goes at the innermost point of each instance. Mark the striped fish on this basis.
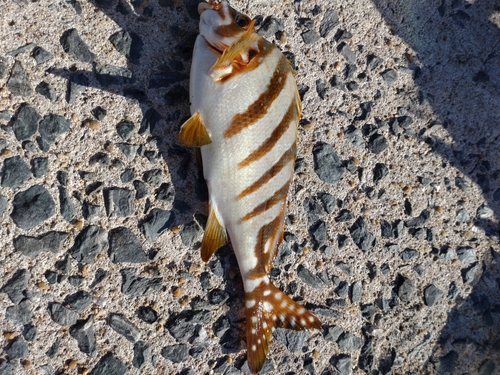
(245, 110)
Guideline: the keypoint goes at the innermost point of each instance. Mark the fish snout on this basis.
(211, 4)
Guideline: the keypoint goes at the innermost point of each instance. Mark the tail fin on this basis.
(268, 307)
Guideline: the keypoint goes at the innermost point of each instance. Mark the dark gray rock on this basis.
(153, 177)
(128, 44)
(406, 289)
(52, 126)
(309, 278)
(469, 274)
(310, 37)
(84, 334)
(39, 166)
(462, 216)
(176, 353)
(101, 159)
(355, 136)
(487, 368)
(119, 202)
(26, 48)
(462, 184)
(99, 113)
(377, 143)
(99, 277)
(66, 206)
(46, 90)
(329, 202)
(124, 327)
(15, 286)
(20, 313)
(356, 292)
(128, 175)
(418, 221)
(342, 364)
(484, 212)
(293, 340)
(15, 172)
(327, 164)
(62, 315)
(190, 233)
(18, 83)
(270, 26)
(409, 254)
(147, 314)
(379, 172)
(26, 123)
(125, 129)
(156, 222)
(54, 348)
(218, 297)
(466, 254)
(74, 45)
(109, 365)
(142, 354)
(17, 349)
(332, 333)
(141, 189)
(446, 363)
(432, 294)
(91, 241)
(149, 121)
(32, 246)
(389, 76)
(108, 75)
(347, 52)
(134, 286)
(344, 216)
(129, 150)
(184, 326)
(29, 332)
(77, 84)
(124, 246)
(320, 85)
(91, 212)
(364, 239)
(40, 55)
(165, 192)
(349, 342)
(328, 23)
(78, 301)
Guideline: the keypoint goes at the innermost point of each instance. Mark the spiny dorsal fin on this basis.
(215, 236)
(193, 133)
(223, 65)
(268, 307)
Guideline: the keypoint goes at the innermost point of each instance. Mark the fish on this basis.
(245, 111)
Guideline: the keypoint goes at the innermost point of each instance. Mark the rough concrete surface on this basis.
(392, 236)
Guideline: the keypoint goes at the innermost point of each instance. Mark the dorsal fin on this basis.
(215, 236)
(193, 133)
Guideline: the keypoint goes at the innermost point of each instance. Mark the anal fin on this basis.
(193, 133)
(215, 236)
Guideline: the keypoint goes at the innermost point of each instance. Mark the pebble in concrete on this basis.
(142, 354)
(46, 90)
(124, 246)
(124, 327)
(432, 294)
(119, 202)
(52, 126)
(156, 222)
(15, 286)
(327, 164)
(17, 348)
(32, 246)
(15, 172)
(78, 301)
(26, 123)
(19, 83)
(364, 239)
(109, 364)
(84, 334)
(176, 353)
(62, 315)
(134, 286)
(90, 241)
(293, 340)
(190, 233)
(76, 47)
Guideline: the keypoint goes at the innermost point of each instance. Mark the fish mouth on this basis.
(211, 40)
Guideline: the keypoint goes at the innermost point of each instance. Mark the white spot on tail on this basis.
(301, 311)
(264, 325)
(254, 319)
(284, 303)
(292, 321)
(303, 322)
(250, 303)
(278, 295)
(254, 348)
(254, 331)
(268, 306)
(266, 292)
(311, 319)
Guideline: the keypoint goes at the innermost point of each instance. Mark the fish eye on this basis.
(242, 21)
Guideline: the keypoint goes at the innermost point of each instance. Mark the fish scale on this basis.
(245, 111)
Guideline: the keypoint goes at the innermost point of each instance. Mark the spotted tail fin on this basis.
(266, 308)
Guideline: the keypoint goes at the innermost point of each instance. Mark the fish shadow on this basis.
(457, 73)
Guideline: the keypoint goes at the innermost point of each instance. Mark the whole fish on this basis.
(245, 111)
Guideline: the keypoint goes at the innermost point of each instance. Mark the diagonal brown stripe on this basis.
(288, 156)
(278, 196)
(270, 142)
(260, 107)
(267, 232)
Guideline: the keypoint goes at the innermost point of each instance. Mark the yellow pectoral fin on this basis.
(215, 237)
(193, 133)
(235, 52)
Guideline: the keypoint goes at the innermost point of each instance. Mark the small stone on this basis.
(39, 166)
(46, 90)
(156, 222)
(32, 246)
(377, 143)
(128, 44)
(52, 126)
(318, 233)
(76, 47)
(332, 333)
(462, 216)
(40, 55)
(484, 212)
(379, 172)
(389, 76)
(20, 313)
(77, 84)
(54, 348)
(62, 315)
(149, 121)
(129, 150)
(124, 246)
(470, 273)
(462, 184)
(3, 204)
(418, 221)
(366, 357)
(350, 342)
(78, 301)
(487, 368)
(147, 314)
(293, 340)
(153, 177)
(356, 292)
(310, 37)
(68, 210)
(29, 332)
(364, 239)
(135, 286)
(344, 216)
(18, 83)
(327, 164)
(347, 52)
(141, 189)
(90, 242)
(128, 175)
(108, 75)
(329, 202)
(270, 26)
(109, 365)
(321, 88)
(51, 276)
(99, 113)
(99, 277)
(446, 363)
(16, 285)
(328, 23)
(26, 123)
(125, 129)
(409, 254)
(432, 294)
(165, 192)
(183, 326)
(83, 333)
(218, 297)
(75, 280)
(355, 136)
(406, 289)
(124, 327)
(175, 353)
(17, 349)
(101, 159)
(119, 202)
(466, 254)
(309, 278)
(343, 364)
(142, 354)
(15, 172)
(190, 233)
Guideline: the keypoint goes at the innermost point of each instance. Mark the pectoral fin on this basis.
(215, 236)
(193, 133)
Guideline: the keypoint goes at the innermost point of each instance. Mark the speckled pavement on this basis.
(392, 235)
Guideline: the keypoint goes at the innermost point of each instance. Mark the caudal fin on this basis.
(268, 307)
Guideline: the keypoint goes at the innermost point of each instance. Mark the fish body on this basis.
(245, 110)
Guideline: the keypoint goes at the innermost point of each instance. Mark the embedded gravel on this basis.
(392, 228)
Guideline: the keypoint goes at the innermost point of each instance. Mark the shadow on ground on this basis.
(457, 47)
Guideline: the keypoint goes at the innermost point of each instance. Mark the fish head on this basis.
(220, 24)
